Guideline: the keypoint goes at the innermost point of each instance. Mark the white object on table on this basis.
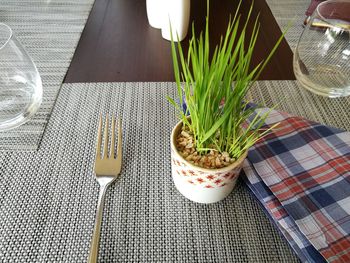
(178, 15)
(156, 13)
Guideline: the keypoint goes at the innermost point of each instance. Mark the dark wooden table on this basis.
(118, 44)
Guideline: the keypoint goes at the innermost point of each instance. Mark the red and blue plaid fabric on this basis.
(279, 217)
(300, 173)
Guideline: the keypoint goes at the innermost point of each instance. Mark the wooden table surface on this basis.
(119, 45)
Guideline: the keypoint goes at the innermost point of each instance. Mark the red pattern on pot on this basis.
(204, 179)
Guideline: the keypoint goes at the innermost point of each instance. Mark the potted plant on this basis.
(212, 138)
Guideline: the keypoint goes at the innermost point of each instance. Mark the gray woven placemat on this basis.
(290, 12)
(48, 198)
(290, 96)
(49, 30)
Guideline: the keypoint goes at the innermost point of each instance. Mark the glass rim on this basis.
(10, 35)
(327, 20)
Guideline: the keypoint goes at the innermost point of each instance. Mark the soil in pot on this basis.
(211, 160)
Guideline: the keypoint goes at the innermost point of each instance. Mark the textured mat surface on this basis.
(290, 12)
(48, 198)
(290, 97)
(49, 31)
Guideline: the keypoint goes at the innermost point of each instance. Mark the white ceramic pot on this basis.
(156, 13)
(199, 184)
(178, 14)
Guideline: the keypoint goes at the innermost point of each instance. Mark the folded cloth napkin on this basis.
(312, 7)
(301, 174)
(338, 12)
(279, 217)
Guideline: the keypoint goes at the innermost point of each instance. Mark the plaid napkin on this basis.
(279, 217)
(301, 175)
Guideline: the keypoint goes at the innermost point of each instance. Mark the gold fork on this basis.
(107, 170)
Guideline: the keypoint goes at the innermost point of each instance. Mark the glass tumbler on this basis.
(20, 82)
(322, 57)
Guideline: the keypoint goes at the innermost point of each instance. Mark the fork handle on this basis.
(94, 245)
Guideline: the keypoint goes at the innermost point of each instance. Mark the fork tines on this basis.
(99, 152)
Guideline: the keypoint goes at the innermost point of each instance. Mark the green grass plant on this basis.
(206, 82)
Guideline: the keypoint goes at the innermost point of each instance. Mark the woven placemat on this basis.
(49, 31)
(290, 96)
(291, 13)
(48, 198)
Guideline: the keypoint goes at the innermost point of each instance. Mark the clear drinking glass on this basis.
(322, 56)
(20, 82)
